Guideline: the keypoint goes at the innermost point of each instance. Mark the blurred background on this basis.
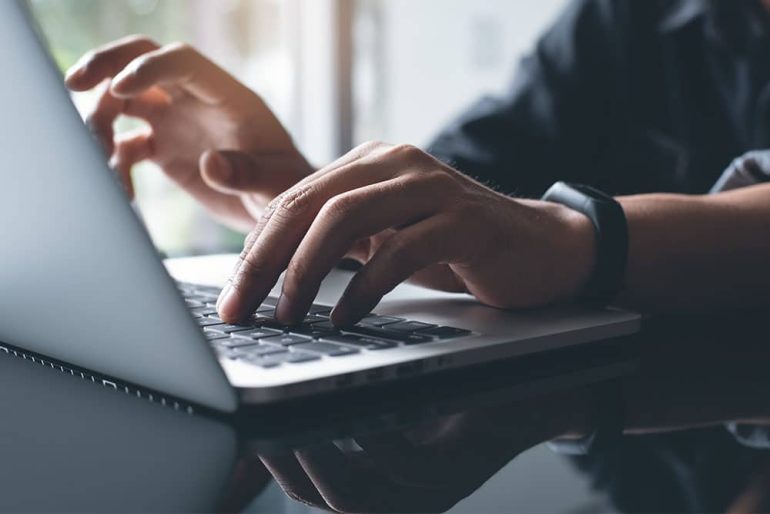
(337, 72)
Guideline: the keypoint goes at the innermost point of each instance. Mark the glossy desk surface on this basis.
(459, 443)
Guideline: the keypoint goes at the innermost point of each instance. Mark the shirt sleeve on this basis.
(549, 125)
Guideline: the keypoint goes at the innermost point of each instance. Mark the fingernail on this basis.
(226, 304)
(224, 170)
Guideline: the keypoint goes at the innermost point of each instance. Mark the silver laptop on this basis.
(81, 282)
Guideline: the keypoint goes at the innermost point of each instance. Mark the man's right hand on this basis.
(209, 133)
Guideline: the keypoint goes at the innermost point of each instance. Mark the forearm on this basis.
(696, 252)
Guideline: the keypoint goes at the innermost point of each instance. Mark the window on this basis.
(337, 72)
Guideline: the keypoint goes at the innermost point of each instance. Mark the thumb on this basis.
(232, 172)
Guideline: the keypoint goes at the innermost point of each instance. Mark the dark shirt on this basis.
(631, 96)
(637, 96)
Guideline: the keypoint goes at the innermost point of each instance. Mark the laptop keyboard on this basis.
(266, 343)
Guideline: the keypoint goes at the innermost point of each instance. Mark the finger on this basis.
(347, 218)
(131, 149)
(177, 65)
(282, 228)
(293, 480)
(347, 159)
(107, 61)
(350, 487)
(235, 173)
(440, 277)
(432, 241)
(108, 108)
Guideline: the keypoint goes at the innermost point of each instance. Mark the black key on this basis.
(192, 304)
(263, 361)
(369, 343)
(287, 339)
(379, 321)
(300, 357)
(314, 318)
(229, 329)
(209, 322)
(321, 310)
(213, 336)
(204, 311)
(445, 332)
(313, 331)
(261, 349)
(325, 325)
(257, 333)
(410, 326)
(331, 349)
(266, 311)
(385, 333)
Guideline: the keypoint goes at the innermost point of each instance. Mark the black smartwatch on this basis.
(611, 226)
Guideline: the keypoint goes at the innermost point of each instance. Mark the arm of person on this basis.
(406, 215)
(698, 252)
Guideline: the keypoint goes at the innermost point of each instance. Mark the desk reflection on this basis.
(68, 444)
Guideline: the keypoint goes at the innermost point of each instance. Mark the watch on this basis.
(609, 220)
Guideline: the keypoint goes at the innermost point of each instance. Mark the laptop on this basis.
(81, 282)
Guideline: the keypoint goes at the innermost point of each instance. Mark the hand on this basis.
(207, 131)
(406, 215)
(428, 468)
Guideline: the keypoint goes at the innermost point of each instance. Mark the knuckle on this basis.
(339, 207)
(141, 39)
(183, 50)
(370, 146)
(250, 267)
(406, 150)
(296, 202)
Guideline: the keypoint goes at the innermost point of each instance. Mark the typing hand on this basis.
(207, 131)
(406, 215)
(427, 468)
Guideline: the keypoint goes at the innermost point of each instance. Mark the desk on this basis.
(67, 444)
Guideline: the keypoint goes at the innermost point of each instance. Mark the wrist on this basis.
(574, 246)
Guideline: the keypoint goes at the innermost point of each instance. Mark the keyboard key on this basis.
(330, 349)
(410, 326)
(320, 310)
(263, 361)
(379, 321)
(300, 357)
(207, 290)
(204, 311)
(209, 322)
(266, 311)
(445, 332)
(391, 335)
(229, 329)
(313, 331)
(192, 304)
(261, 349)
(287, 339)
(214, 336)
(314, 318)
(257, 333)
(369, 343)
